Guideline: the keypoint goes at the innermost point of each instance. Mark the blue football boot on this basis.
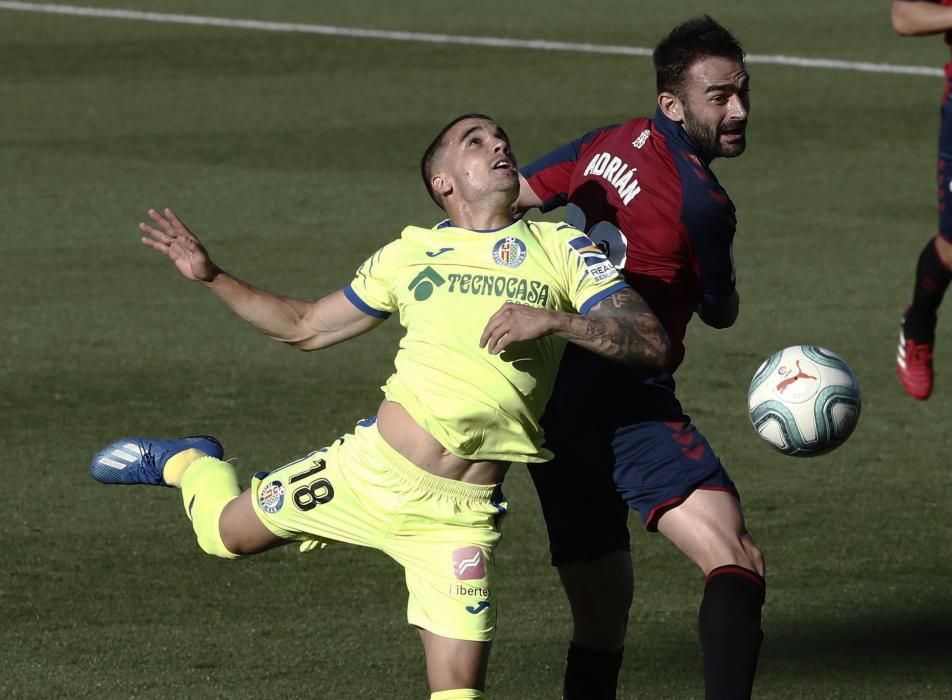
(140, 460)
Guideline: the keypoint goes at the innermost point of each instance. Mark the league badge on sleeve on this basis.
(599, 267)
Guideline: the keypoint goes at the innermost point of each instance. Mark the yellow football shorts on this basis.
(443, 532)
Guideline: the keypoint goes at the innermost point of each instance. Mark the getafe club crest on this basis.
(509, 252)
(271, 497)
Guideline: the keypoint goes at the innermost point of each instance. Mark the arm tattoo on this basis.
(623, 328)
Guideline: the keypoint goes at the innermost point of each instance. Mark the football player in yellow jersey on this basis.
(488, 303)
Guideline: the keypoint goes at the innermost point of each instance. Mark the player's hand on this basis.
(514, 323)
(173, 239)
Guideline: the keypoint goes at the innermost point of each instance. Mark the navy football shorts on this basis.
(634, 450)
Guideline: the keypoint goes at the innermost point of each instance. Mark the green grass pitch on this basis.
(295, 156)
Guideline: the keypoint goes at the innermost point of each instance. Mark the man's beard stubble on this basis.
(707, 138)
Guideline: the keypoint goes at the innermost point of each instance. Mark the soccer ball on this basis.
(804, 401)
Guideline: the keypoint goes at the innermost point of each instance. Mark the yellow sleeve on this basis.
(371, 291)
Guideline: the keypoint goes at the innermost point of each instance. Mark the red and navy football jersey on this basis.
(642, 191)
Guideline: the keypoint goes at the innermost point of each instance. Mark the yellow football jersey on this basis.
(446, 282)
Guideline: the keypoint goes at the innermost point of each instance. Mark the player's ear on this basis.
(671, 106)
(441, 184)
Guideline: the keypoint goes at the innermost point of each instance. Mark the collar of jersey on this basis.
(673, 130)
(446, 223)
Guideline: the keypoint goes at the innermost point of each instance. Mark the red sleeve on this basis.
(550, 176)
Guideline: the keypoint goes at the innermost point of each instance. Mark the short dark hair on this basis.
(434, 150)
(688, 43)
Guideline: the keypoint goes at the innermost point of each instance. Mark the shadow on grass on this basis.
(882, 640)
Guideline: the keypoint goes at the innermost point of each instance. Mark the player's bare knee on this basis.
(240, 531)
(755, 556)
(729, 549)
(943, 249)
(238, 543)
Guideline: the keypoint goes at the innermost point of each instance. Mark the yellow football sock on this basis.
(459, 694)
(208, 484)
(176, 465)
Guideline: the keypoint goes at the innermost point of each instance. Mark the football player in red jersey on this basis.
(644, 191)
(934, 269)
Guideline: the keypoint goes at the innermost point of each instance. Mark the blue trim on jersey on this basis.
(362, 305)
(588, 250)
(582, 242)
(587, 306)
(449, 224)
(566, 153)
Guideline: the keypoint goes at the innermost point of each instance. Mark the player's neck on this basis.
(478, 218)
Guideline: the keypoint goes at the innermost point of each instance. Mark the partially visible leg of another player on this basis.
(917, 331)
(588, 540)
(600, 593)
(669, 473)
(708, 526)
(665, 470)
(933, 274)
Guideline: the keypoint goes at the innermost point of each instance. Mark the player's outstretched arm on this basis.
(308, 325)
(920, 18)
(621, 327)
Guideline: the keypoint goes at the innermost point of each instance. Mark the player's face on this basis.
(478, 160)
(716, 102)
